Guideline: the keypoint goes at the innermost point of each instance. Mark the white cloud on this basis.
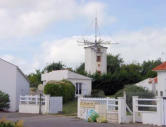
(65, 50)
(134, 46)
(137, 46)
(20, 62)
(141, 45)
(19, 18)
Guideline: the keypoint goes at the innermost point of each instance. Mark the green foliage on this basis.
(4, 101)
(54, 66)
(35, 78)
(8, 123)
(97, 93)
(70, 108)
(120, 74)
(113, 63)
(81, 69)
(132, 90)
(147, 67)
(62, 88)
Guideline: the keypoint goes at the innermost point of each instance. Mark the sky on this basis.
(34, 33)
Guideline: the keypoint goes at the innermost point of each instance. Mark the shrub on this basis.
(8, 123)
(4, 101)
(97, 93)
(62, 88)
(132, 90)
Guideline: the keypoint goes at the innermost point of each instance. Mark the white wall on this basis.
(91, 65)
(8, 82)
(22, 87)
(86, 85)
(145, 84)
(161, 82)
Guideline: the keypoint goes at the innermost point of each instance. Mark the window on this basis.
(98, 58)
(78, 88)
(161, 93)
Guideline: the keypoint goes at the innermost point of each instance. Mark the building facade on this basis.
(13, 82)
(161, 74)
(83, 84)
(96, 59)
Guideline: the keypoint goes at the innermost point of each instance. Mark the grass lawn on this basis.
(70, 108)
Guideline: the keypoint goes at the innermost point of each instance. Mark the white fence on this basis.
(33, 104)
(113, 109)
(148, 111)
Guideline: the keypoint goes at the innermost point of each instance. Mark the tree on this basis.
(4, 101)
(147, 67)
(54, 66)
(81, 69)
(113, 63)
(35, 78)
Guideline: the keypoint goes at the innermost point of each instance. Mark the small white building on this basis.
(83, 84)
(96, 59)
(148, 84)
(161, 74)
(13, 82)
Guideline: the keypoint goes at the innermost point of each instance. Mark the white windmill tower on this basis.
(96, 54)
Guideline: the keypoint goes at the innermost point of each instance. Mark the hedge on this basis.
(4, 101)
(62, 88)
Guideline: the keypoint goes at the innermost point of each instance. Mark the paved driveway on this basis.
(31, 120)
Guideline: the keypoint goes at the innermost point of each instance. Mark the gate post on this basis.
(78, 107)
(47, 103)
(135, 107)
(160, 110)
(121, 110)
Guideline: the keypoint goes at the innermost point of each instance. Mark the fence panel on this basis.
(147, 111)
(35, 104)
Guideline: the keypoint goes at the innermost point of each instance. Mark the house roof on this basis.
(16, 68)
(63, 74)
(161, 67)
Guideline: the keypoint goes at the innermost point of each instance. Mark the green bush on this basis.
(4, 101)
(8, 123)
(132, 90)
(97, 93)
(62, 88)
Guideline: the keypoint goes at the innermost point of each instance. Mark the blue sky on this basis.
(35, 33)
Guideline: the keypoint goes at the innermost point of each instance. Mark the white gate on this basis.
(32, 104)
(148, 111)
(55, 104)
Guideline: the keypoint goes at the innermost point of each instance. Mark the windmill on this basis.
(96, 53)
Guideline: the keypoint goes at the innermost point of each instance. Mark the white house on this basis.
(83, 84)
(149, 84)
(13, 82)
(161, 74)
